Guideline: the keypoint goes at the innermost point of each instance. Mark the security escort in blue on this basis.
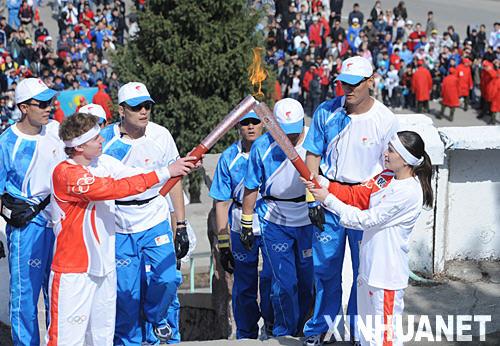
(346, 142)
(29, 151)
(283, 216)
(227, 191)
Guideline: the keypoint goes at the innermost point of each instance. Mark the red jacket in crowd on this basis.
(421, 84)
(414, 38)
(319, 30)
(338, 89)
(494, 93)
(396, 61)
(58, 113)
(450, 89)
(487, 75)
(465, 83)
(308, 76)
(102, 98)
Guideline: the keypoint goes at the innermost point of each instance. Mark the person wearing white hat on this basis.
(95, 110)
(386, 207)
(227, 191)
(83, 273)
(346, 141)
(144, 229)
(283, 216)
(29, 150)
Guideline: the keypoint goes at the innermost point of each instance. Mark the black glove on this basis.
(316, 215)
(246, 235)
(181, 240)
(225, 254)
(2, 250)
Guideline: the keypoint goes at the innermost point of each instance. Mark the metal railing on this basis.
(192, 261)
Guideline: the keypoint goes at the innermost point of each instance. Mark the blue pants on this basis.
(288, 250)
(172, 317)
(245, 308)
(14, 20)
(328, 257)
(154, 246)
(30, 257)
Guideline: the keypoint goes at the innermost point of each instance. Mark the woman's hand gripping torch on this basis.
(316, 214)
(245, 106)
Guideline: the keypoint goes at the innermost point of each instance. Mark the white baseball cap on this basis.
(290, 115)
(94, 109)
(133, 93)
(354, 70)
(33, 88)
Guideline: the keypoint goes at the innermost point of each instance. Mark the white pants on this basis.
(377, 311)
(82, 309)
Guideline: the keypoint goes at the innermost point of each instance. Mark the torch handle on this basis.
(304, 172)
(196, 152)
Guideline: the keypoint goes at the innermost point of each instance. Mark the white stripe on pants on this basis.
(377, 303)
(82, 309)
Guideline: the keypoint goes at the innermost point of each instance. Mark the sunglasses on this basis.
(248, 121)
(148, 105)
(354, 85)
(42, 104)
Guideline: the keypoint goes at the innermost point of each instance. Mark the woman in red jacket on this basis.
(421, 86)
(494, 93)
(465, 83)
(450, 93)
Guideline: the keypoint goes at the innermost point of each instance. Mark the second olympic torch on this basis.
(245, 106)
(267, 117)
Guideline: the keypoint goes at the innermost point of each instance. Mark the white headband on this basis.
(87, 136)
(405, 154)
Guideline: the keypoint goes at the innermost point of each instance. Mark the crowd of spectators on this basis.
(73, 57)
(308, 40)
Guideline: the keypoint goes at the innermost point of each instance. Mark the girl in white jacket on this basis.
(386, 208)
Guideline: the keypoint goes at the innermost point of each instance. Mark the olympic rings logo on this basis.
(123, 262)
(280, 247)
(323, 238)
(34, 262)
(83, 184)
(77, 319)
(240, 256)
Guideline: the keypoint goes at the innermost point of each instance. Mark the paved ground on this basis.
(458, 13)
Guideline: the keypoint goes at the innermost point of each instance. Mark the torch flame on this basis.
(257, 73)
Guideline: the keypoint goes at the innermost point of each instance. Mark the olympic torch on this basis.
(245, 106)
(267, 117)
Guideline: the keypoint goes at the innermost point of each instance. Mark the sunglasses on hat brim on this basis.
(248, 121)
(148, 105)
(357, 84)
(41, 104)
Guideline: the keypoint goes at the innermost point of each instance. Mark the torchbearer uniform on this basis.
(351, 149)
(143, 228)
(25, 162)
(386, 209)
(283, 216)
(228, 184)
(83, 277)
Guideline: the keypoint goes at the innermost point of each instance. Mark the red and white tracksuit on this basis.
(386, 209)
(82, 286)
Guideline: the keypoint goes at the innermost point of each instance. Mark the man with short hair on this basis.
(346, 141)
(286, 228)
(144, 231)
(29, 150)
(227, 191)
